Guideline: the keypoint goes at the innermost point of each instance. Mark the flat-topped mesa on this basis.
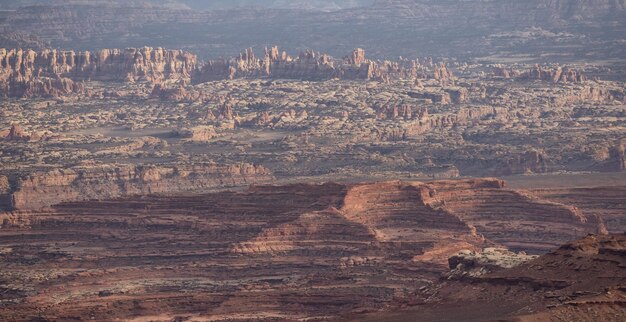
(26, 73)
(79, 183)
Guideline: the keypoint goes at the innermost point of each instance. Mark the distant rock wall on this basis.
(51, 73)
(309, 65)
(112, 181)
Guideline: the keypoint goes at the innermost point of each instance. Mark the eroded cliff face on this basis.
(131, 64)
(111, 181)
(52, 73)
(308, 65)
(556, 74)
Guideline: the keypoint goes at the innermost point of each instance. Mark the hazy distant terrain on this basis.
(561, 30)
(325, 5)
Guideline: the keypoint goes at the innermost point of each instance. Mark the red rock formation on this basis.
(198, 133)
(542, 226)
(401, 111)
(225, 111)
(303, 250)
(607, 203)
(16, 133)
(501, 71)
(569, 283)
(582, 94)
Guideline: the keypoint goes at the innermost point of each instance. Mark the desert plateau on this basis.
(322, 160)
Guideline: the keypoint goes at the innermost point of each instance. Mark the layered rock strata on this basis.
(299, 251)
(41, 190)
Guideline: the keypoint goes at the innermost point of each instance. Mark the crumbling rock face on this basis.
(308, 65)
(613, 158)
(435, 97)
(458, 95)
(582, 94)
(554, 75)
(274, 64)
(177, 93)
(605, 204)
(532, 161)
(198, 133)
(4, 184)
(5, 197)
(53, 73)
(111, 181)
(388, 207)
(403, 111)
(42, 87)
(473, 264)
